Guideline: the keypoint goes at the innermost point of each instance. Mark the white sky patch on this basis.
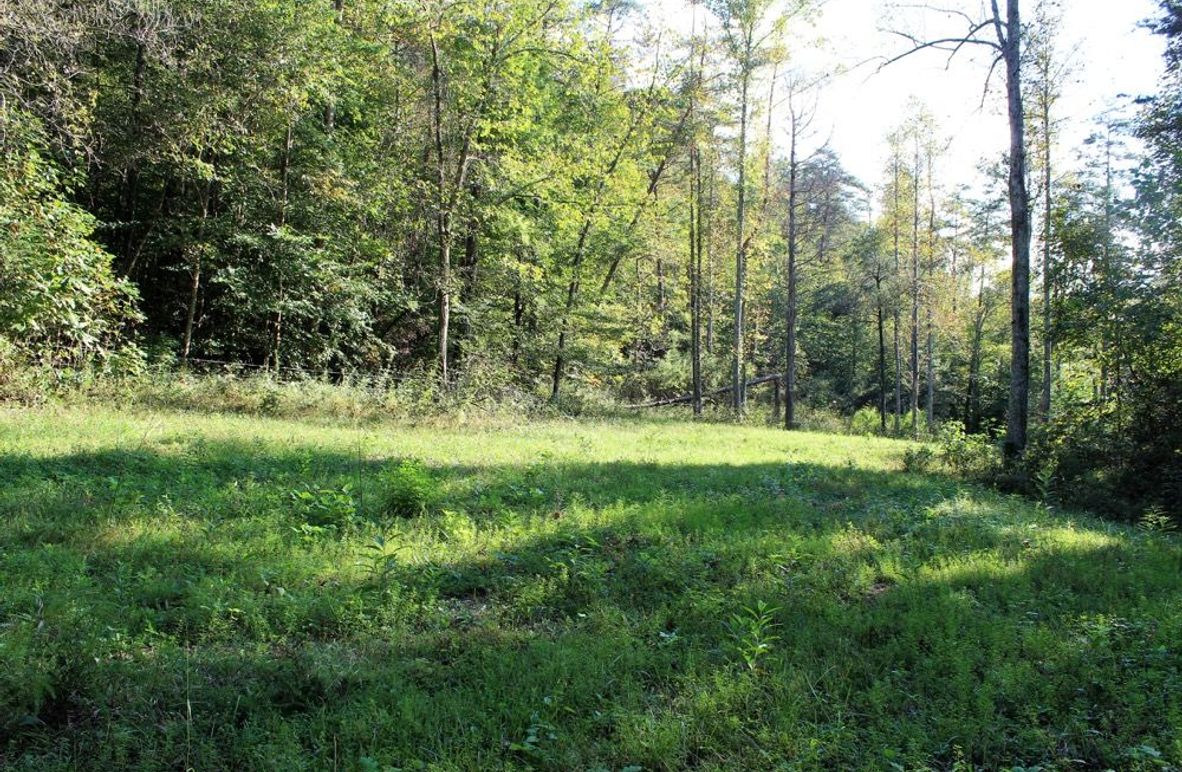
(1110, 54)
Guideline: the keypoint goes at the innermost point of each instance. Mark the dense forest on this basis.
(553, 197)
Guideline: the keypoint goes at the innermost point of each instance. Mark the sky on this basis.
(1108, 51)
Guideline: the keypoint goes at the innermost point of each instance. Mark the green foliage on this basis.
(865, 421)
(62, 303)
(974, 456)
(380, 561)
(325, 507)
(409, 490)
(918, 459)
(752, 632)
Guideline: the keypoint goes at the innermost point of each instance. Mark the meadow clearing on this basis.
(189, 590)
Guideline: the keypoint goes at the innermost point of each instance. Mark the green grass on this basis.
(227, 592)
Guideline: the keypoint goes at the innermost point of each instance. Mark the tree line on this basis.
(556, 196)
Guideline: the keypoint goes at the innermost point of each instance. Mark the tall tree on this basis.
(1003, 36)
(752, 30)
(800, 117)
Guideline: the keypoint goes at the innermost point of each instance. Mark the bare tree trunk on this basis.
(518, 318)
(898, 352)
(284, 172)
(1047, 342)
(443, 215)
(928, 309)
(737, 382)
(973, 407)
(790, 344)
(707, 237)
(572, 291)
(695, 235)
(882, 394)
(277, 329)
(915, 294)
(1018, 414)
(662, 301)
(931, 371)
(195, 280)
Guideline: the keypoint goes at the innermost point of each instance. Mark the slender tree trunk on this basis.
(790, 344)
(284, 174)
(928, 308)
(518, 318)
(707, 239)
(931, 371)
(131, 177)
(191, 311)
(973, 411)
(737, 381)
(195, 280)
(572, 292)
(898, 351)
(443, 214)
(662, 300)
(277, 328)
(695, 249)
(1048, 351)
(882, 392)
(1019, 407)
(915, 294)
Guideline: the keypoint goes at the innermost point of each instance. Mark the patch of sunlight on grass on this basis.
(976, 570)
(555, 595)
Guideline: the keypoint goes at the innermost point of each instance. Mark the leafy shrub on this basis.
(409, 490)
(62, 303)
(918, 459)
(969, 455)
(326, 507)
(865, 421)
(751, 630)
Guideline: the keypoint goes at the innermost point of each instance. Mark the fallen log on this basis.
(686, 398)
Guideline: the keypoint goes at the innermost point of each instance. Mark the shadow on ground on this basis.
(184, 606)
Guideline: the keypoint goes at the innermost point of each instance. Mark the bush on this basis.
(865, 422)
(976, 456)
(918, 459)
(409, 490)
(1118, 465)
(62, 303)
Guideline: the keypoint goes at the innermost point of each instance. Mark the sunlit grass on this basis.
(237, 592)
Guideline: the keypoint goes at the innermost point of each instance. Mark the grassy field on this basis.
(180, 590)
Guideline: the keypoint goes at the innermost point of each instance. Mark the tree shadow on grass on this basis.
(567, 616)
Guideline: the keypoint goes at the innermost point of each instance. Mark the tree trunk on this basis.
(195, 280)
(707, 239)
(737, 384)
(284, 174)
(882, 394)
(518, 318)
(790, 344)
(443, 214)
(895, 329)
(973, 406)
(928, 308)
(695, 248)
(915, 293)
(1048, 351)
(1018, 414)
(572, 292)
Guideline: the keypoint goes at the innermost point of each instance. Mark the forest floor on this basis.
(186, 590)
